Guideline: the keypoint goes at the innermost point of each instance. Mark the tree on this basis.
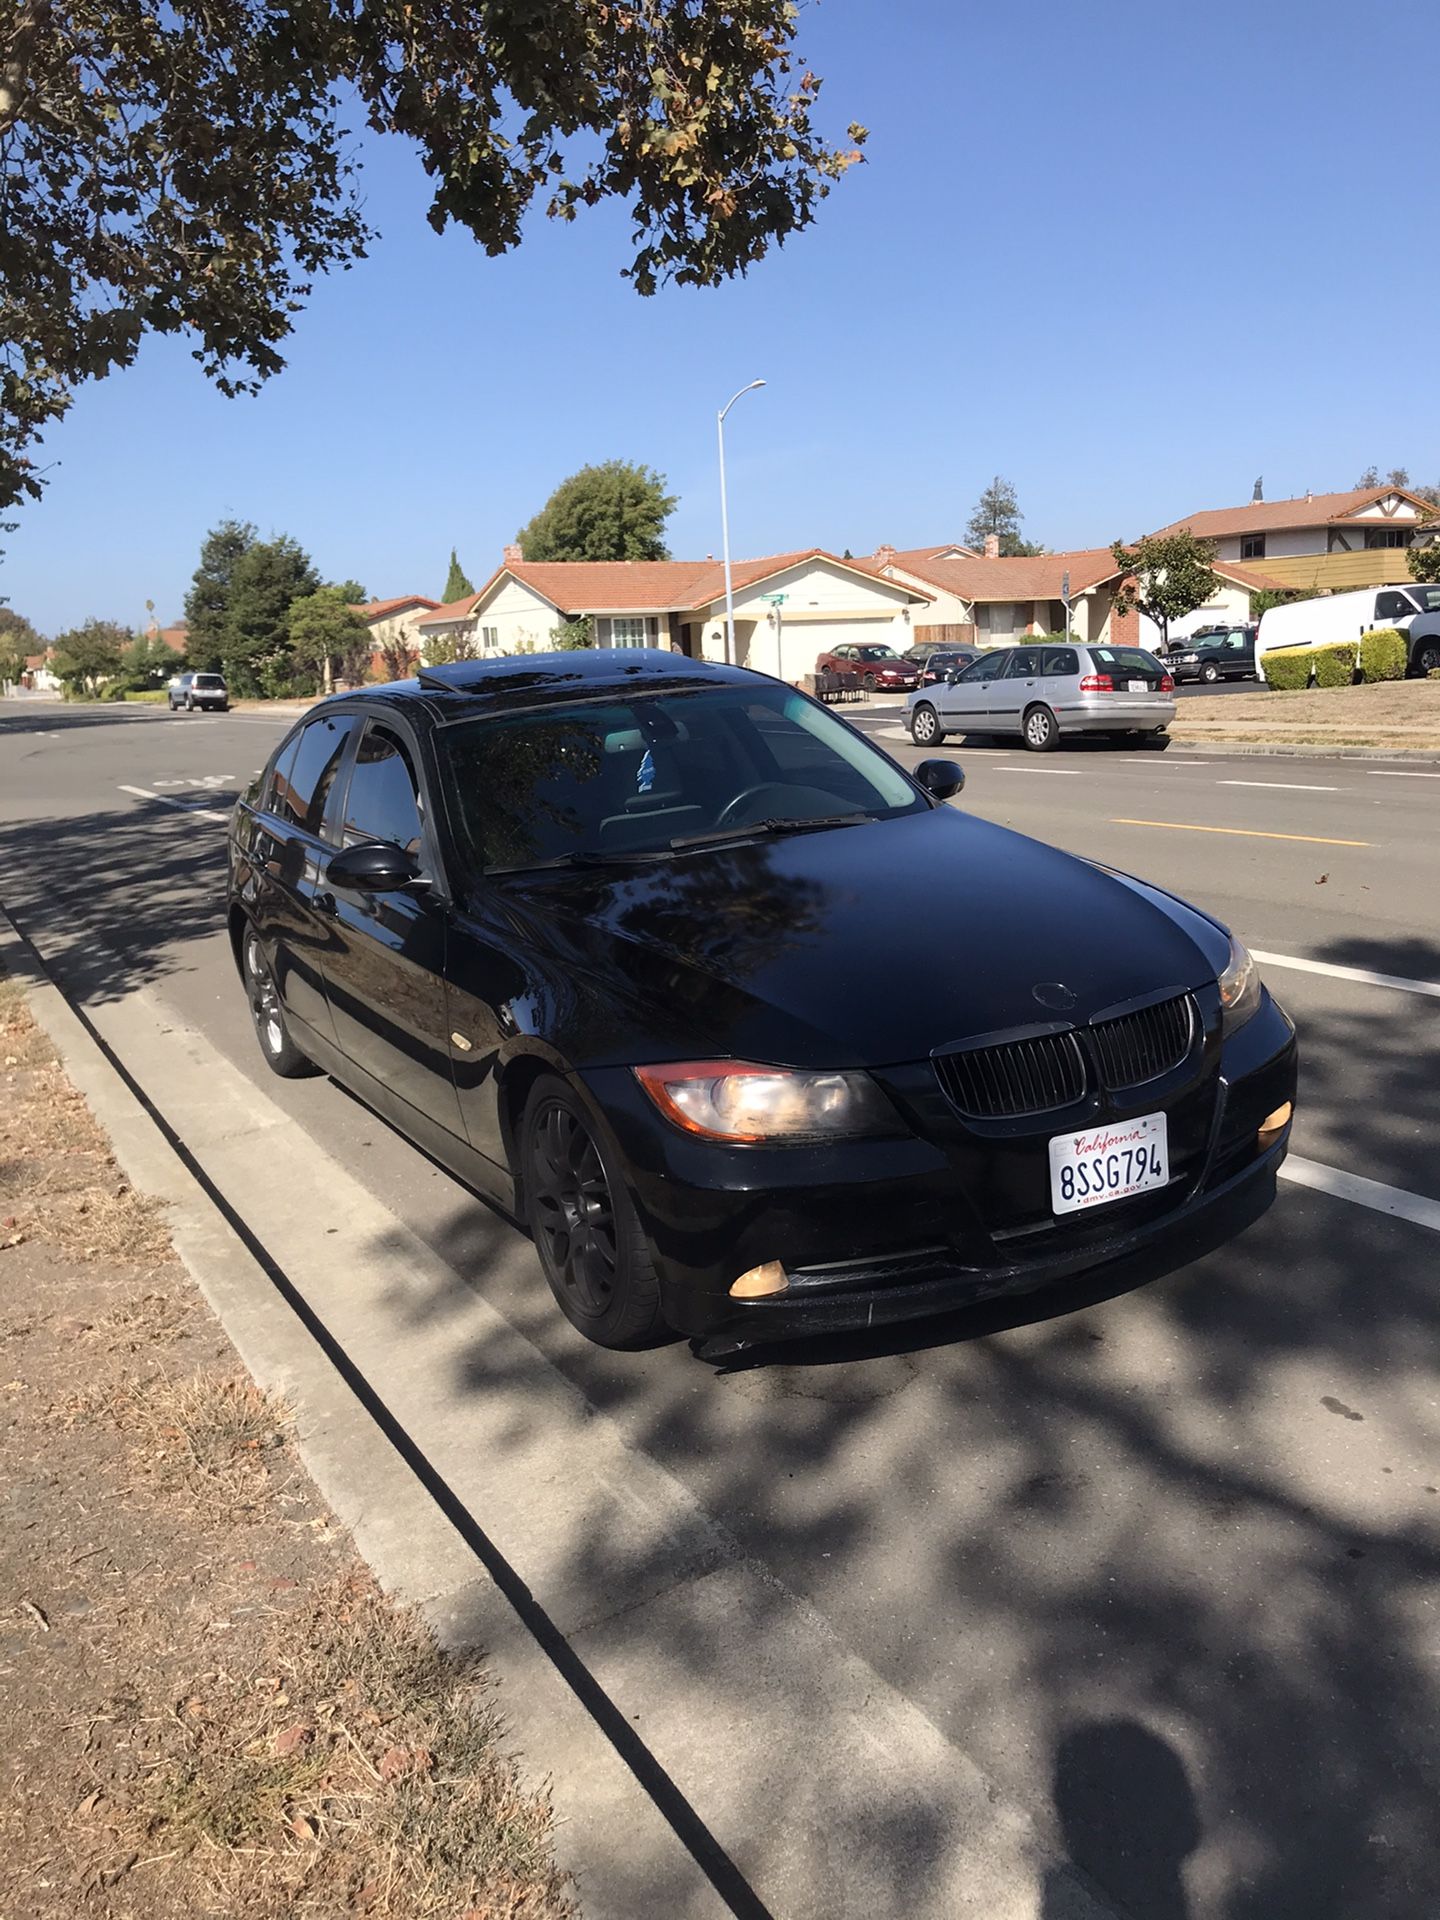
(328, 639)
(207, 605)
(185, 168)
(89, 654)
(440, 649)
(997, 512)
(611, 512)
(18, 640)
(12, 661)
(266, 580)
(1399, 477)
(147, 663)
(573, 636)
(1424, 562)
(457, 582)
(1166, 576)
(1268, 597)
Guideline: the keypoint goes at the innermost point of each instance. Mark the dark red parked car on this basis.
(881, 669)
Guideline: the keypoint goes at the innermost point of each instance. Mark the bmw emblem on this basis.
(1053, 993)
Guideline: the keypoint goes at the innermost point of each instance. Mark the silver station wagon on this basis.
(1042, 692)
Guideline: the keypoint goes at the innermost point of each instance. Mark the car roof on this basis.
(467, 689)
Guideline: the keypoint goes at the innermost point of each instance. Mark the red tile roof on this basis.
(1032, 577)
(382, 609)
(1268, 516)
(644, 586)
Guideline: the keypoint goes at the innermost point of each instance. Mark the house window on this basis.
(1376, 537)
(628, 630)
(1252, 546)
(489, 638)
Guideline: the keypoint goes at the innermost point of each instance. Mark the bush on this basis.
(148, 694)
(1287, 669)
(1335, 663)
(1384, 654)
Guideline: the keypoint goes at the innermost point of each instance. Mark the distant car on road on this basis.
(881, 669)
(207, 691)
(584, 926)
(1222, 653)
(938, 665)
(1044, 692)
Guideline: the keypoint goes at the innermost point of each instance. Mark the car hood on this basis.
(857, 946)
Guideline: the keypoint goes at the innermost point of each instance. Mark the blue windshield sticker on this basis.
(645, 778)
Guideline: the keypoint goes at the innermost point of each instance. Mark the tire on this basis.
(282, 1056)
(925, 727)
(1209, 673)
(189, 703)
(1427, 657)
(1040, 730)
(584, 1224)
(867, 685)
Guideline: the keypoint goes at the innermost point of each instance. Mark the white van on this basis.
(1414, 609)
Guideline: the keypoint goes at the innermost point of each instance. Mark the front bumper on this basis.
(872, 1231)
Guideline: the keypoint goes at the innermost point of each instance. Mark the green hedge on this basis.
(1287, 668)
(1384, 654)
(148, 694)
(1335, 664)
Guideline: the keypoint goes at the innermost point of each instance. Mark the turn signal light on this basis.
(771, 1277)
(1274, 1123)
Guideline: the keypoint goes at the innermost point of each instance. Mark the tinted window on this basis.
(1428, 598)
(630, 776)
(302, 787)
(1392, 606)
(1024, 661)
(1061, 660)
(208, 680)
(985, 668)
(383, 802)
(876, 653)
(1131, 663)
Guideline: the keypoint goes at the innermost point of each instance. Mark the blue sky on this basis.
(1129, 256)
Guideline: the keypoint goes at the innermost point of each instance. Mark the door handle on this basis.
(326, 903)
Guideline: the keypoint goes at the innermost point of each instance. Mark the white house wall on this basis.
(824, 607)
(522, 619)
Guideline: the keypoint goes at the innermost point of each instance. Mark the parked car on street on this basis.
(939, 665)
(594, 929)
(1224, 653)
(881, 669)
(1413, 610)
(207, 691)
(1045, 692)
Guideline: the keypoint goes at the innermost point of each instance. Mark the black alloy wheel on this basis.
(584, 1226)
(282, 1055)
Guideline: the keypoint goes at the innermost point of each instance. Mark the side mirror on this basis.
(941, 779)
(375, 866)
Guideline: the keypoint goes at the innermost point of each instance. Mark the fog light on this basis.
(1274, 1123)
(754, 1285)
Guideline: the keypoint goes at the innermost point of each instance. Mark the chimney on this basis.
(513, 554)
(884, 557)
(992, 546)
(1309, 496)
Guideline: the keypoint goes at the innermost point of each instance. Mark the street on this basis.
(1156, 1554)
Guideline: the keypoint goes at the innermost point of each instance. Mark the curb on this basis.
(598, 1801)
(1285, 748)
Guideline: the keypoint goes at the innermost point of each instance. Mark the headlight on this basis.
(738, 1101)
(1239, 988)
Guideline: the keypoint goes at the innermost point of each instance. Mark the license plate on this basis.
(1137, 686)
(1108, 1163)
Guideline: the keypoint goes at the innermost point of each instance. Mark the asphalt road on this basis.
(1159, 1554)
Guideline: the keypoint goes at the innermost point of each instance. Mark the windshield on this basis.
(877, 653)
(1428, 597)
(630, 778)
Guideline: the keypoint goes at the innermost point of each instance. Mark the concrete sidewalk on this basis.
(715, 1746)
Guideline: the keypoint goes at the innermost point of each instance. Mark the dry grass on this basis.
(1395, 713)
(361, 1771)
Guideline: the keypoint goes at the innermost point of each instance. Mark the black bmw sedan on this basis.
(602, 933)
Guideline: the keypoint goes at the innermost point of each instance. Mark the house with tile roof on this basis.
(392, 625)
(997, 601)
(1336, 540)
(789, 607)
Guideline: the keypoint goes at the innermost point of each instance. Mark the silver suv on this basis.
(192, 690)
(1044, 691)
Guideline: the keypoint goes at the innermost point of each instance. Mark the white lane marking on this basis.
(1361, 975)
(1068, 772)
(1388, 773)
(168, 800)
(1396, 1201)
(1290, 786)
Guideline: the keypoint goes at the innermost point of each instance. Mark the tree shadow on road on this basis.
(1127, 1817)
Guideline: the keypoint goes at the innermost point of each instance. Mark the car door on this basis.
(290, 858)
(1060, 681)
(1017, 688)
(385, 961)
(967, 699)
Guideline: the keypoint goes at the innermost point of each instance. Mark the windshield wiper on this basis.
(583, 857)
(801, 823)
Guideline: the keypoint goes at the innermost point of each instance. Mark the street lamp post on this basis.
(725, 522)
